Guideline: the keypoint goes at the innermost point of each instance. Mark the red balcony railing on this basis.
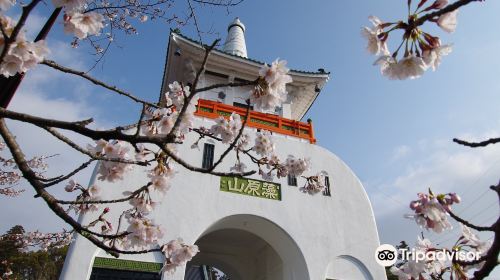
(212, 109)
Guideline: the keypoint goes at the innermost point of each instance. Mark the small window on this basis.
(326, 191)
(242, 105)
(292, 180)
(208, 156)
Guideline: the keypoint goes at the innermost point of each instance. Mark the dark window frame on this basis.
(208, 156)
(292, 180)
(327, 190)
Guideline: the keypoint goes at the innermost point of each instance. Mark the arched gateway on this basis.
(248, 247)
(271, 231)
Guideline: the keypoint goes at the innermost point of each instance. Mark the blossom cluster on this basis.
(142, 232)
(38, 239)
(415, 269)
(160, 121)
(10, 175)
(314, 184)
(264, 145)
(271, 89)
(21, 54)
(431, 211)
(297, 166)
(85, 198)
(117, 152)
(433, 268)
(177, 254)
(227, 129)
(422, 51)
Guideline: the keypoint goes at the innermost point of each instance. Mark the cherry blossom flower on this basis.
(411, 67)
(271, 91)
(431, 211)
(314, 184)
(388, 67)
(171, 246)
(472, 240)
(22, 55)
(184, 254)
(448, 21)
(143, 232)
(243, 142)
(160, 184)
(264, 145)
(433, 57)
(71, 186)
(238, 167)
(6, 4)
(111, 170)
(142, 205)
(296, 166)
(377, 44)
(83, 25)
(227, 129)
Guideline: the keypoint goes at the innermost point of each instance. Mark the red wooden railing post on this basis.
(311, 131)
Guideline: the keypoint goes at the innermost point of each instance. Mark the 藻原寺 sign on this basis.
(251, 187)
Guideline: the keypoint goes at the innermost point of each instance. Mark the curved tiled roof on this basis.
(250, 59)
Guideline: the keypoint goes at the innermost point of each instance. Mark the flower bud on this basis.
(455, 197)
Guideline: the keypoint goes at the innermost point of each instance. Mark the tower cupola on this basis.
(235, 40)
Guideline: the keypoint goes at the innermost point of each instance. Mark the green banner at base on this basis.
(250, 187)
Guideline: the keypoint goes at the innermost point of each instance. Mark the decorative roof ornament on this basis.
(235, 40)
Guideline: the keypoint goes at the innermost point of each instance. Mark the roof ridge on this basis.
(320, 71)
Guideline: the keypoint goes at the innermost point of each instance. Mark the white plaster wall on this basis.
(322, 227)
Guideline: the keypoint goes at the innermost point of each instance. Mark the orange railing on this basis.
(212, 109)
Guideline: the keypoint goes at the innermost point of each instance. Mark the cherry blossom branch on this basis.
(127, 198)
(30, 176)
(62, 178)
(467, 223)
(445, 10)
(221, 3)
(75, 146)
(115, 134)
(54, 65)
(492, 255)
(187, 101)
(235, 141)
(477, 144)
(241, 84)
(188, 166)
(195, 20)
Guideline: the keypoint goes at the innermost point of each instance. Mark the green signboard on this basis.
(250, 187)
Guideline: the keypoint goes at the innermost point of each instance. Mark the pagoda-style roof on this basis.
(302, 91)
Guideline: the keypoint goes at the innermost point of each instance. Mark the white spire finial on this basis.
(235, 41)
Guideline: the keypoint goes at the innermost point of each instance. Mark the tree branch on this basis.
(30, 176)
(438, 13)
(464, 222)
(75, 146)
(93, 80)
(476, 144)
(182, 162)
(134, 194)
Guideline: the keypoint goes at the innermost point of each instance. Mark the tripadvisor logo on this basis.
(387, 255)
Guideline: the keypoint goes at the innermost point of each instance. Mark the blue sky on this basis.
(395, 135)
